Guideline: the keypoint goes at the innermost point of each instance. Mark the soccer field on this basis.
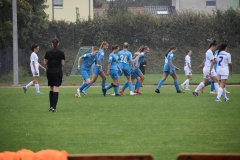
(164, 124)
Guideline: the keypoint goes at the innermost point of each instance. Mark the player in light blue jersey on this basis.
(137, 73)
(125, 63)
(87, 61)
(112, 69)
(169, 68)
(96, 70)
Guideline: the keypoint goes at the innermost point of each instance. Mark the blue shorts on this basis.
(136, 72)
(168, 72)
(114, 74)
(96, 70)
(126, 72)
(85, 74)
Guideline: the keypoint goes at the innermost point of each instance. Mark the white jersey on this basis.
(223, 59)
(187, 60)
(208, 59)
(34, 58)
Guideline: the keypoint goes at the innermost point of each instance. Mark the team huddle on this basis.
(217, 67)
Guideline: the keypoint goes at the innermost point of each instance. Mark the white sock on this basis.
(201, 85)
(224, 93)
(216, 85)
(37, 87)
(220, 91)
(186, 82)
(29, 84)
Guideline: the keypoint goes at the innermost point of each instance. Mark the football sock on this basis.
(224, 92)
(103, 84)
(208, 83)
(37, 87)
(212, 86)
(160, 84)
(219, 93)
(109, 86)
(176, 85)
(55, 99)
(216, 85)
(125, 86)
(185, 83)
(115, 89)
(89, 85)
(130, 85)
(29, 84)
(82, 86)
(201, 85)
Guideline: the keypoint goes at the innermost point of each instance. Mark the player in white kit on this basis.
(187, 69)
(224, 69)
(209, 58)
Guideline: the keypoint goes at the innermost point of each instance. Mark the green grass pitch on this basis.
(164, 124)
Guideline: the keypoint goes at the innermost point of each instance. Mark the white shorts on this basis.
(206, 74)
(222, 77)
(188, 72)
(33, 73)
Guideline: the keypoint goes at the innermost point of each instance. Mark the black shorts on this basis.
(54, 76)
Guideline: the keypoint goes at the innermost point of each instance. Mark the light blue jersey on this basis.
(113, 59)
(215, 56)
(124, 57)
(142, 55)
(166, 67)
(88, 60)
(100, 55)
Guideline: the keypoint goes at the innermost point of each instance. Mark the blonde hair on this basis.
(103, 44)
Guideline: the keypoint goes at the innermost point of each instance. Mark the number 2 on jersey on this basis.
(221, 59)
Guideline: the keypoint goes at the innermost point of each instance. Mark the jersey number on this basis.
(123, 59)
(221, 59)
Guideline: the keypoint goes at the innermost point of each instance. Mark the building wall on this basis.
(68, 11)
(234, 4)
(199, 5)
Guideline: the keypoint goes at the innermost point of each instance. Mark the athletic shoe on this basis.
(226, 99)
(157, 91)
(117, 95)
(202, 89)
(195, 93)
(180, 91)
(84, 92)
(227, 91)
(50, 109)
(187, 89)
(133, 94)
(25, 89)
(213, 92)
(104, 91)
(137, 91)
(218, 100)
(78, 94)
(39, 92)
(54, 110)
(113, 94)
(182, 85)
(121, 91)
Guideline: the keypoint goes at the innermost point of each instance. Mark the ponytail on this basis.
(55, 44)
(103, 44)
(171, 48)
(212, 44)
(34, 46)
(222, 47)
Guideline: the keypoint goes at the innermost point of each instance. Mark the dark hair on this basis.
(103, 44)
(212, 44)
(34, 46)
(187, 51)
(171, 48)
(115, 46)
(222, 47)
(141, 48)
(55, 44)
(125, 45)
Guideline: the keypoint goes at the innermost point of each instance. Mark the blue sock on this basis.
(136, 84)
(83, 86)
(160, 84)
(130, 85)
(103, 84)
(125, 86)
(139, 85)
(116, 90)
(118, 85)
(109, 86)
(88, 86)
(212, 86)
(176, 85)
(208, 83)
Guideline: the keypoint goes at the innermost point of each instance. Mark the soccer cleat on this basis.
(195, 93)
(84, 92)
(226, 99)
(213, 92)
(182, 85)
(202, 89)
(121, 91)
(78, 93)
(137, 91)
(113, 94)
(218, 100)
(39, 92)
(117, 95)
(54, 110)
(187, 89)
(157, 91)
(133, 94)
(180, 91)
(104, 91)
(227, 91)
(50, 109)
(25, 89)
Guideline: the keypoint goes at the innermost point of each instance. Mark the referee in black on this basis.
(54, 59)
